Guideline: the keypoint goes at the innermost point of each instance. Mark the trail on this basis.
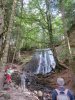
(18, 94)
(15, 93)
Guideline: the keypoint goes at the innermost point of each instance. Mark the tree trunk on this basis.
(1, 20)
(1, 17)
(5, 55)
(1, 27)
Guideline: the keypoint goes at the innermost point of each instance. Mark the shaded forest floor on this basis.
(50, 79)
(44, 83)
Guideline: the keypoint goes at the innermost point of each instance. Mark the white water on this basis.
(46, 62)
(39, 65)
(52, 61)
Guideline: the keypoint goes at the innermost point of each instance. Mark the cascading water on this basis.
(39, 65)
(46, 61)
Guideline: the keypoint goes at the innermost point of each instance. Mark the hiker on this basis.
(5, 74)
(23, 81)
(61, 93)
(8, 75)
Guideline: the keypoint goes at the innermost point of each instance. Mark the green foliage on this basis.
(31, 23)
(69, 6)
(7, 7)
(30, 28)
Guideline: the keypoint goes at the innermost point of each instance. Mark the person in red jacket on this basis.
(8, 75)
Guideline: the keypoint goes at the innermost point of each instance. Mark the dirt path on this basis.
(18, 94)
(15, 93)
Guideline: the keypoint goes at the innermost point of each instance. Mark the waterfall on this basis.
(52, 61)
(46, 61)
(39, 65)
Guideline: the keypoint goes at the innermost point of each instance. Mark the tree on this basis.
(1, 18)
(1, 25)
(4, 58)
(6, 12)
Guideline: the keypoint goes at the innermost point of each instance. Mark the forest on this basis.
(27, 26)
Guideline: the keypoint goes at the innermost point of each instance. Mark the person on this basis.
(23, 81)
(5, 75)
(62, 93)
(8, 75)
